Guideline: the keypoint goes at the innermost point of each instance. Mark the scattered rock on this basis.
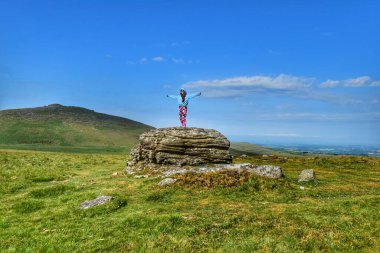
(167, 181)
(243, 156)
(98, 201)
(302, 188)
(181, 146)
(306, 176)
(115, 174)
(268, 171)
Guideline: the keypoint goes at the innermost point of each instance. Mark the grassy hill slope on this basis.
(65, 127)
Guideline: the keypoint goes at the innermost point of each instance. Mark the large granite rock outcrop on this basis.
(181, 146)
(166, 152)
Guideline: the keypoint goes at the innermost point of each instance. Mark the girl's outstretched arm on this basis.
(172, 96)
(193, 95)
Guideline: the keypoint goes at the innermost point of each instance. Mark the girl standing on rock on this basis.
(183, 101)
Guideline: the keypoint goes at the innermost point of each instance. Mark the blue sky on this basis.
(269, 71)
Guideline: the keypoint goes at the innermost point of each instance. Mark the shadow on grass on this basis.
(51, 191)
(28, 206)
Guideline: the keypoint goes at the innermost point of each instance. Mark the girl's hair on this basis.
(183, 98)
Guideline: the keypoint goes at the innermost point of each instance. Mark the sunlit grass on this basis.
(41, 193)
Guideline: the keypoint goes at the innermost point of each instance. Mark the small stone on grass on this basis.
(167, 181)
(306, 176)
(98, 201)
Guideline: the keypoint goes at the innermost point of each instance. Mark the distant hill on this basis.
(239, 148)
(56, 127)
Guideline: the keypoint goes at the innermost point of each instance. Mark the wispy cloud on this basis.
(282, 82)
(329, 84)
(178, 60)
(285, 85)
(356, 82)
(245, 85)
(360, 81)
(158, 58)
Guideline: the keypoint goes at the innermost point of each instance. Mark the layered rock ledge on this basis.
(181, 146)
(166, 152)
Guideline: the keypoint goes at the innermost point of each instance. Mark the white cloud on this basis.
(245, 85)
(178, 60)
(158, 59)
(282, 82)
(213, 93)
(329, 84)
(376, 83)
(356, 82)
(161, 59)
(361, 81)
(289, 85)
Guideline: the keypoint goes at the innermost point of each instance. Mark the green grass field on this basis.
(41, 192)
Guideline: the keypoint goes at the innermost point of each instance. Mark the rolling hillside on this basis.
(58, 127)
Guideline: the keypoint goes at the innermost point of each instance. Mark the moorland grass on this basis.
(41, 192)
